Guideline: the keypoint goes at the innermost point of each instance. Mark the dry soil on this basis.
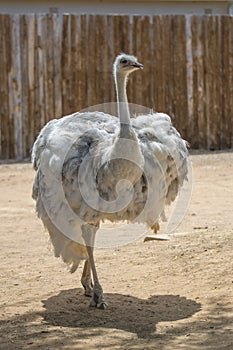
(175, 294)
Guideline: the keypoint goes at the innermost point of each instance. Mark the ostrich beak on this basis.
(137, 65)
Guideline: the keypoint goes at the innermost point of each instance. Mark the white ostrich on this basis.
(79, 162)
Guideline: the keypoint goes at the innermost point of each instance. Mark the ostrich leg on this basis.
(98, 299)
(86, 279)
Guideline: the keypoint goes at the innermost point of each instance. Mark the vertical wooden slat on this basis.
(214, 74)
(15, 85)
(93, 62)
(79, 72)
(198, 122)
(111, 56)
(83, 72)
(74, 61)
(226, 97)
(31, 79)
(57, 67)
(98, 64)
(121, 34)
(169, 58)
(211, 72)
(230, 26)
(5, 59)
(190, 79)
(107, 64)
(125, 33)
(179, 95)
(146, 58)
(156, 60)
(36, 81)
(25, 85)
(168, 66)
(2, 150)
(228, 81)
(224, 67)
(160, 69)
(207, 85)
(140, 90)
(40, 72)
(65, 65)
(135, 84)
(118, 47)
(48, 57)
(104, 66)
(116, 37)
(218, 130)
(200, 103)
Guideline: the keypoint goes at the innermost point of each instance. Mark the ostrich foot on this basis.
(155, 227)
(98, 299)
(88, 288)
(156, 236)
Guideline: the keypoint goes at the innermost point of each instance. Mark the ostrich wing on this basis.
(156, 133)
(57, 133)
(55, 158)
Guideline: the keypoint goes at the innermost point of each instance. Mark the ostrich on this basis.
(89, 162)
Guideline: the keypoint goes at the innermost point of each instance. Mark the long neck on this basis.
(122, 103)
(124, 159)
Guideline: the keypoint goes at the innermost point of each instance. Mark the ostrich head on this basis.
(126, 64)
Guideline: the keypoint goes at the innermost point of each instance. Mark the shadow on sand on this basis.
(70, 309)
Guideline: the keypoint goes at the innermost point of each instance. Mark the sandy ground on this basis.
(175, 294)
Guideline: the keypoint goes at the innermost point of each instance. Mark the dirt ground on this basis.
(167, 295)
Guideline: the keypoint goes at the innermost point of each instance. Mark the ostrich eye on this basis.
(124, 61)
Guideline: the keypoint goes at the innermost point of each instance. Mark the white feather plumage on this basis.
(64, 144)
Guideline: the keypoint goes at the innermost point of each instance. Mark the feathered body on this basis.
(165, 163)
(81, 151)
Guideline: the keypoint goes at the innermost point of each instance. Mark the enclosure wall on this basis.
(53, 65)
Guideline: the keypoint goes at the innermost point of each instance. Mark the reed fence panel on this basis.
(53, 65)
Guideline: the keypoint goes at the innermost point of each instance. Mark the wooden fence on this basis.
(53, 65)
